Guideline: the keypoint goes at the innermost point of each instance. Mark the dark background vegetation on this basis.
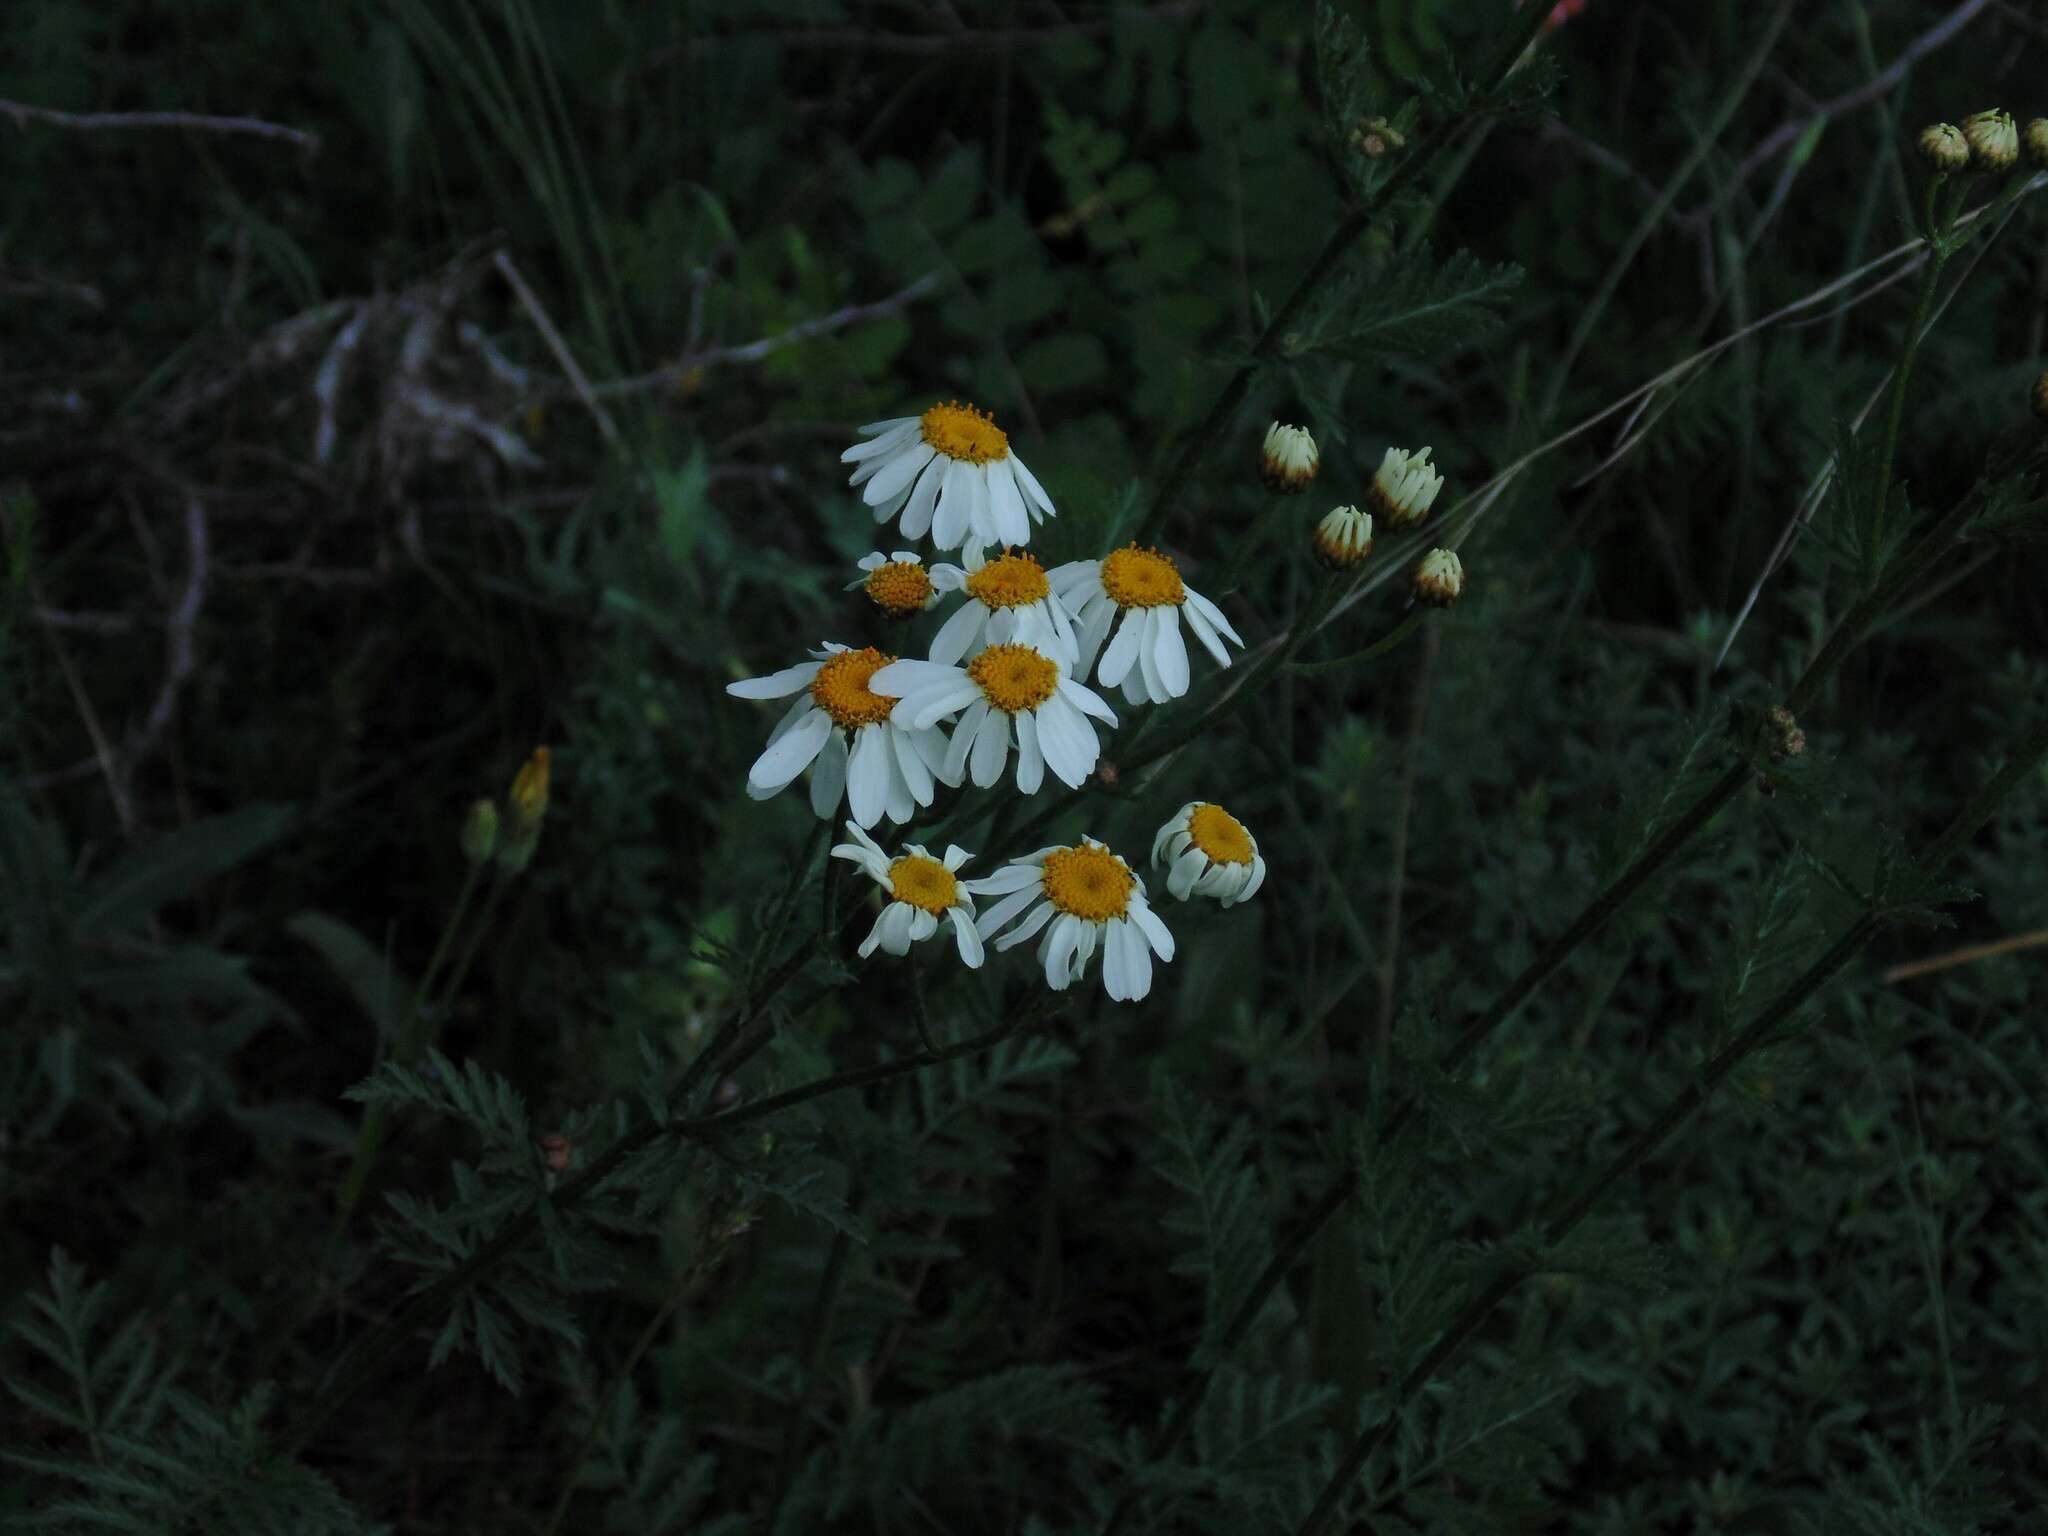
(310, 539)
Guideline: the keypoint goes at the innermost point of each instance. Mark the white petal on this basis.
(965, 937)
(924, 495)
(867, 775)
(890, 425)
(1213, 614)
(895, 927)
(993, 918)
(1028, 484)
(1123, 649)
(963, 739)
(1137, 960)
(1006, 504)
(792, 754)
(1187, 869)
(1258, 878)
(1171, 653)
(906, 677)
(799, 706)
(1066, 742)
(1148, 659)
(931, 746)
(1087, 701)
(979, 515)
(1030, 762)
(867, 945)
(958, 632)
(1011, 877)
(898, 804)
(923, 926)
(991, 749)
(955, 857)
(894, 477)
(1024, 930)
(1093, 629)
(776, 685)
(1115, 961)
(955, 523)
(1059, 950)
(1141, 913)
(926, 709)
(828, 778)
(917, 775)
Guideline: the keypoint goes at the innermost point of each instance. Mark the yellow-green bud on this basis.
(2036, 140)
(1376, 137)
(1404, 487)
(1994, 141)
(1944, 148)
(529, 800)
(2041, 396)
(480, 832)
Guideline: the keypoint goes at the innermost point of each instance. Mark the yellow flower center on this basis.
(1142, 578)
(899, 588)
(1220, 835)
(841, 688)
(1089, 883)
(961, 432)
(1013, 677)
(1014, 581)
(924, 883)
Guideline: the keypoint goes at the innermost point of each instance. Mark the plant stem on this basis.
(2024, 758)
(1930, 279)
(1379, 647)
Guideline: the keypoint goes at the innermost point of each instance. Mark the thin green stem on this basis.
(1379, 647)
(462, 900)
(1930, 279)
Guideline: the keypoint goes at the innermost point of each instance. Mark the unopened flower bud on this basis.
(1405, 486)
(1994, 141)
(1791, 741)
(480, 831)
(2036, 140)
(1343, 538)
(1376, 137)
(899, 586)
(1944, 148)
(1289, 460)
(1439, 579)
(529, 800)
(2041, 396)
(556, 1152)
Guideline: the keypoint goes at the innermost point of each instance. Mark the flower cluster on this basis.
(1985, 141)
(1002, 690)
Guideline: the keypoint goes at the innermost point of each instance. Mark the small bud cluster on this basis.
(1439, 579)
(1790, 740)
(1988, 141)
(512, 839)
(1375, 138)
(1288, 462)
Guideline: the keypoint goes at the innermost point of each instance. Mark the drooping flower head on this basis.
(1405, 487)
(922, 890)
(839, 723)
(897, 584)
(1019, 687)
(1288, 460)
(1206, 851)
(2036, 140)
(949, 471)
(1081, 898)
(1000, 594)
(1994, 141)
(1142, 588)
(1343, 538)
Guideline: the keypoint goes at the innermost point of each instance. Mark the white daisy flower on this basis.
(924, 890)
(1148, 655)
(1206, 851)
(1404, 487)
(1087, 898)
(897, 584)
(1023, 680)
(886, 771)
(950, 471)
(1288, 459)
(1002, 593)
